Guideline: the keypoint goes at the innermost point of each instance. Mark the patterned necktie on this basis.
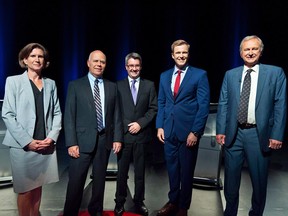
(244, 98)
(134, 91)
(177, 83)
(97, 101)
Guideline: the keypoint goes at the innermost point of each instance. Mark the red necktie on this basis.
(177, 83)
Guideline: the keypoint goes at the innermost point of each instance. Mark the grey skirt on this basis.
(31, 170)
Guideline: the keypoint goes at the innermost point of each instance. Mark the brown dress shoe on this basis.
(167, 209)
(182, 212)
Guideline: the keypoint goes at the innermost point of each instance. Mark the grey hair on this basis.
(133, 55)
(249, 38)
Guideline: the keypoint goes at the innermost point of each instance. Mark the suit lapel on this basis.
(238, 79)
(140, 90)
(127, 89)
(185, 80)
(261, 81)
(167, 83)
(87, 91)
(28, 90)
(46, 94)
(107, 95)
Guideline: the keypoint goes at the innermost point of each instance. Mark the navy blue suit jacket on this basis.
(270, 107)
(188, 112)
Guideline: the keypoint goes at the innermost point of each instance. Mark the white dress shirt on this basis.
(174, 75)
(253, 91)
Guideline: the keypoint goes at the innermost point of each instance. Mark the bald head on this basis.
(96, 63)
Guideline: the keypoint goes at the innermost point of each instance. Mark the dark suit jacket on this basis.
(143, 112)
(270, 107)
(80, 123)
(188, 112)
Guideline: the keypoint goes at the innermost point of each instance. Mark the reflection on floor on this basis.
(206, 201)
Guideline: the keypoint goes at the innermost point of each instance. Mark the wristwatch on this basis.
(196, 134)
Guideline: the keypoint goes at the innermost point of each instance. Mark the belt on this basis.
(246, 125)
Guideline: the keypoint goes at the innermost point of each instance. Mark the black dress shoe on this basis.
(99, 213)
(141, 209)
(119, 210)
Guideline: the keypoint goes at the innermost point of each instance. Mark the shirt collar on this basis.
(130, 79)
(183, 69)
(92, 78)
(255, 68)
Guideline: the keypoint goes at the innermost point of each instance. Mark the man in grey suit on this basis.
(262, 129)
(138, 102)
(85, 141)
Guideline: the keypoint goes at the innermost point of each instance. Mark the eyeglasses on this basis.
(134, 66)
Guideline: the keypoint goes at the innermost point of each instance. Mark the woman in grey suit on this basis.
(32, 115)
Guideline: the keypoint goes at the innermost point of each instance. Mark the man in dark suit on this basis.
(138, 102)
(250, 137)
(86, 142)
(183, 108)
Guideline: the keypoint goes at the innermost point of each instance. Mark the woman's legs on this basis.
(29, 202)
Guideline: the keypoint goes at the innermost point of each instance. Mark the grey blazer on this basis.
(19, 114)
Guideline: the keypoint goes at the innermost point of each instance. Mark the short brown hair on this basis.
(25, 52)
(179, 43)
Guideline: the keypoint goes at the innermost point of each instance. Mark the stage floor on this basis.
(206, 201)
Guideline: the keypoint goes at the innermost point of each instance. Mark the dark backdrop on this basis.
(71, 29)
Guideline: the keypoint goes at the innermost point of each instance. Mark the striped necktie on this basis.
(97, 101)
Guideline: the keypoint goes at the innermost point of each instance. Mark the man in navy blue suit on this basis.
(183, 108)
(262, 129)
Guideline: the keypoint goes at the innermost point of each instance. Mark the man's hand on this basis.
(160, 134)
(275, 144)
(134, 127)
(73, 151)
(220, 139)
(117, 147)
(191, 140)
